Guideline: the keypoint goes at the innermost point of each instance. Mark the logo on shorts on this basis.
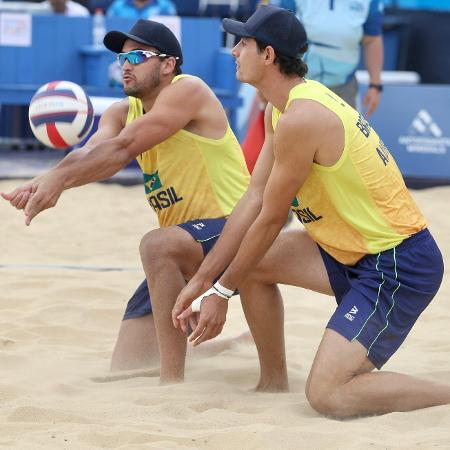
(351, 314)
(199, 225)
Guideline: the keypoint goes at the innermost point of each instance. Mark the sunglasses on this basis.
(139, 56)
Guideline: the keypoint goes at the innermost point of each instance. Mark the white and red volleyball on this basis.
(61, 114)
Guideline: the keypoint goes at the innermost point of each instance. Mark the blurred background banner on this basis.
(413, 123)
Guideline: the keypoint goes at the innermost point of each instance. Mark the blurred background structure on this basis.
(55, 39)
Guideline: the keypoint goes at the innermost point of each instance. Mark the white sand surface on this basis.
(58, 327)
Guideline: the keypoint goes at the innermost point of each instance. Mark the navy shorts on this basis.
(204, 231)
(381, 297)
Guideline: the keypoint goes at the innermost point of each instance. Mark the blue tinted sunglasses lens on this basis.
(134, 57)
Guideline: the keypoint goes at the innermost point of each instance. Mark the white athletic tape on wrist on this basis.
(195, 305)
(223, 290)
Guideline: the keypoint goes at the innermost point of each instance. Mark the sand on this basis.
(58, 326)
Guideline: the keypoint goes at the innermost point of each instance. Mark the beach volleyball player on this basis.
(366, 242)
(194, 174)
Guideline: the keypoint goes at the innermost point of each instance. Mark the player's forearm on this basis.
(104, 161)
(72, 157)
(254, 246)
(234, 231)
(373, 57)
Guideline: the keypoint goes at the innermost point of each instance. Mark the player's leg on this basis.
(136, 346)
(293, 259)
(387, 294)
(341, 383)
(169, 256)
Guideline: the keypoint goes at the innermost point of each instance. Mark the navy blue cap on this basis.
(148, 32)
(272, 26)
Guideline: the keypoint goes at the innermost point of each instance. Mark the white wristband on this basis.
(228, 293)
(196, 304)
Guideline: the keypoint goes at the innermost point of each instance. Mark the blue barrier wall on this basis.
(57, 42)
(61, 50)
(53, 54)
(413, 123)
(440, 5)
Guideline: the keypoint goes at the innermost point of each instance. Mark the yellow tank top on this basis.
(189, 177)
(360, 205)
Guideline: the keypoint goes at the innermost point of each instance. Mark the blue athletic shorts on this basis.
(204, 231)
(381, 297)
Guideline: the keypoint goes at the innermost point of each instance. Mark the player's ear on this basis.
(168, 65)
(270, 54)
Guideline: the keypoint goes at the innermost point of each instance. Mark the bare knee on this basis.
(318, 397)
(148, 242)
(325, 398)
(152, 246)
(168, 248)
(158, 250)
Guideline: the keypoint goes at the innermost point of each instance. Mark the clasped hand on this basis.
(213, 311)
(34, 197)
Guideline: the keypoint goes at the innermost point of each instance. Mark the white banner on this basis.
(15, 29)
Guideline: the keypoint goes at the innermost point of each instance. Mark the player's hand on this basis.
(19, 197)
(213, 314)
(190, 292)
(371, 101)
(45, 194)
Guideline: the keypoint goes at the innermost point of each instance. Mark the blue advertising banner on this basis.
(414, 123)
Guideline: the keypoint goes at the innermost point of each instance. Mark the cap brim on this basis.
(114, 40)
(235, 27)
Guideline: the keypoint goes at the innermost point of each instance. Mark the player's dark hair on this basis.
(177, 70)
(288, 65)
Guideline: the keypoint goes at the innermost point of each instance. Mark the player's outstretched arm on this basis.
(176, 106)
(164, 119)
(110, 125)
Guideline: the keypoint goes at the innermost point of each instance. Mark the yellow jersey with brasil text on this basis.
(360, 205)
(189, 177)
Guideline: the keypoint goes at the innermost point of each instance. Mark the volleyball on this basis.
(60, 114)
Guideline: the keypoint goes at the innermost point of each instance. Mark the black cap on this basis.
(272, 26)
(146, 32)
